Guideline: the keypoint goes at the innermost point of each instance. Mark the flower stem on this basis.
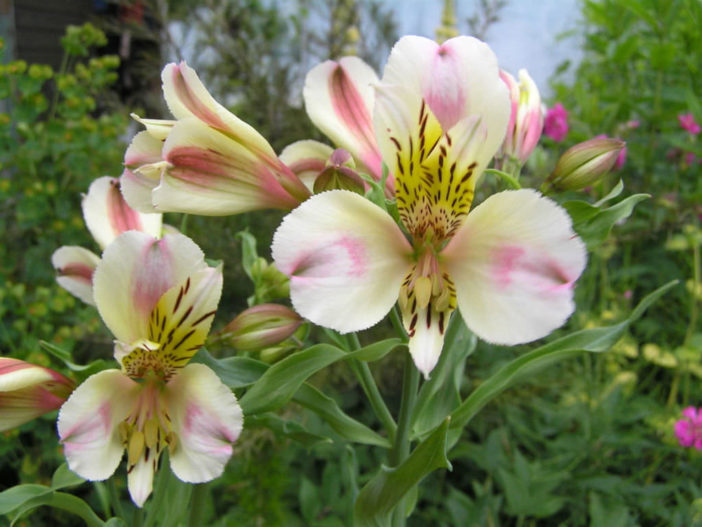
(197, 505)
(401, 446)
(117, 508)
(370, 388)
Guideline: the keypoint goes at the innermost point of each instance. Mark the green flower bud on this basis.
(584, 164)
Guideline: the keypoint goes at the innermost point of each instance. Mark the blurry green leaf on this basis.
(64, 477)
(310, 504)
(15, 497)
(65, 356)
(280, 382)
(608, 512)
(594, 340)
(235, 372)
(347, 427)
(381, 494)
(594, 224)
(24, 498)
(249, 254)
(286, 428)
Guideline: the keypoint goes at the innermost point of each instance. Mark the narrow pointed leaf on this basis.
(381, 494)
(235, 372)
(594, 340)
(347, 427)
(60, 500)
(287, 428)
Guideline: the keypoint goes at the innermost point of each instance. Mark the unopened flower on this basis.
(526, 120)
(207, 161)
(321, 168)
(556, 122)
(158, 297)
(440, 115)
(261, 326)
(106, 215)
(28, 391)
(687, 122)
(585, 163)
(688, 430)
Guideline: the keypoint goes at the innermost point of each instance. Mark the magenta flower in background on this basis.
(689, 429)
(687, 122)
(556, 122)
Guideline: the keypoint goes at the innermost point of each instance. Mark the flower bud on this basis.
(28, 391)
(262, 326)
(339, 174)
(526, 120)
(584, 164)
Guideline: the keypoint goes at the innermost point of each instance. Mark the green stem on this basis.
(507, 178)
(197, 505)
(401, 446)
(370, 388)
(184, 224)
(692, 325)
(117, 508)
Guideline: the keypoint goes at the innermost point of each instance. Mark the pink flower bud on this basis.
(526, 120)
(585, 163)
(556, 123)
(28, 391)
(262, 326)
(339, 173)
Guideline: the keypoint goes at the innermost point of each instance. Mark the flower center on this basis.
(147, 430)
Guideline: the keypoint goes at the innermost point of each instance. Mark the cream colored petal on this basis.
(107, 214)
(157, 128)
(88, 423)
(339, 100)
(140, 480)
(346, 259)
(75, 267)
(514, 263)
(206, 419)
(134, 273)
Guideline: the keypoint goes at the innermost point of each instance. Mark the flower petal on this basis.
(134, 273)
(88, 423)
(107, 214)
(206, 419)
(306, 159)
(157, 128)
(346, 260)
(140, 480)
(339, 99)
(212, 174)
(75, 267)
(514, 263)
(142, 174)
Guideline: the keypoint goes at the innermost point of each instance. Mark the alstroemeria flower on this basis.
(339, 98)
(526, 120)
(106, 215)
(440, 115)
(28, 391)
(158, 297)
(206, 162)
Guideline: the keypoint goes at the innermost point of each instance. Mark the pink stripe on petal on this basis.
(153, 277)
(443, 89)
(79, 271)
(122, 217)
(188, 97)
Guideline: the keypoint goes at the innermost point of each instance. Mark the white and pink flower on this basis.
(526, 120)
(441, 112)
(158, 297)
(207, 161)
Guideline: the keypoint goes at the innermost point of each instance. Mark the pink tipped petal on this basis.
(75, 267)
(206, 418)
(187, 97)
(143, 169)
(339, 98)
(306, 159)
(346, 260)
(515, 262)
(88, 423)
(135, 271)
(212, 174)
(107, 214)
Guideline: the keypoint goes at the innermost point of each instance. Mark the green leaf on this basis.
(64, 477)
(594, 340)
(249, 254)
(594, 224)
(60, 500)
(347, 427)
(235, 372)
(17, 496)
(381, 494)
(280, 382)
(286, 428)
(65, 356)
